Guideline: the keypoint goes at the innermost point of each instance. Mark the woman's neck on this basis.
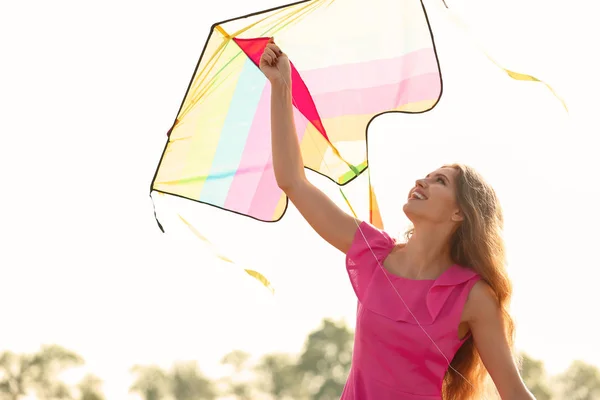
(427, 252)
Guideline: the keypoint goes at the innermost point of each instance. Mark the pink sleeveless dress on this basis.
(393, 358)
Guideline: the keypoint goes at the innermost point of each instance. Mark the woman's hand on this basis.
(275, 65)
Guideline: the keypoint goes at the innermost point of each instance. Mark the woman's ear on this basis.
(457, 216)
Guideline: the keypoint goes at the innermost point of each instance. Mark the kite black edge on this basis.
(224, 209)
(212, 28)
(437, 59)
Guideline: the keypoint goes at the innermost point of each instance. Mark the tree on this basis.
(90, 388)
(325, 362)
(13, 376)
(278, 376)
(534, 376)
(188, 383)
(237, 384)
(152, 383)
(580, 381)
(184, 381)
(48, 364)
(39, 373)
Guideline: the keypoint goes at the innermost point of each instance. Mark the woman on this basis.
(432, 317)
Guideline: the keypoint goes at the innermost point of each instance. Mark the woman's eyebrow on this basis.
(439, 174)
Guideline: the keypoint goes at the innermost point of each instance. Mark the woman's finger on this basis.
(268, 58)
(274, 48)
(271, 53)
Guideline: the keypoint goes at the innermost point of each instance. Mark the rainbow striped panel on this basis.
(354, 60)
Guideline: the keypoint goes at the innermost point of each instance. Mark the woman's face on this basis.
(433, 198)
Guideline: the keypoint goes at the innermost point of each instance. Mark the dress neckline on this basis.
(404, 278)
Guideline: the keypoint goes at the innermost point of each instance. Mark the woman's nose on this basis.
(421, 182)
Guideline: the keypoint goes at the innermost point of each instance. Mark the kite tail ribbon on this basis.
(515, 75)
(254, 274)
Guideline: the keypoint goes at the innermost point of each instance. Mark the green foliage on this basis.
(237, 383)
(277, 375)
(151, 382)
(90, 388)
(325, 362)
(534, 376)
(318, 372)
(184, 381)
(188, 383)
(580, 381)
(37, 373)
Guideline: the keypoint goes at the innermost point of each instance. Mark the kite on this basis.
(350, 63)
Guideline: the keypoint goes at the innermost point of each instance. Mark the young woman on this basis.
(432, 318)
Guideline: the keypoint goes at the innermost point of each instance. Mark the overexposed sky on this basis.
(87, 93)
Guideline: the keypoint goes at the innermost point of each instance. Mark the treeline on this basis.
(317, 373)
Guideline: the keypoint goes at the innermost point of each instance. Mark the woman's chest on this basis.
(407, 334)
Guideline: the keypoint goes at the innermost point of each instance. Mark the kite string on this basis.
(373, 252)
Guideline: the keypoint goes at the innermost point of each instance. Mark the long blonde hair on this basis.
(477, 244)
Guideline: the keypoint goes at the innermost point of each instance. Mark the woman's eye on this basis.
(441, 180)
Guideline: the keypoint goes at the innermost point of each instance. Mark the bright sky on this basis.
(88, 91)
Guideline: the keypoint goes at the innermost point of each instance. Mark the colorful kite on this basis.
(351, 62)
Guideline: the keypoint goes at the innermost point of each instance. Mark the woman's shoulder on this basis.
(368, 234)
(370, 245)
(481, 300)
(481, 291)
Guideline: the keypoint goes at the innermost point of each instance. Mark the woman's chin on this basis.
(408, 209)
(412, 210)
(410, 204)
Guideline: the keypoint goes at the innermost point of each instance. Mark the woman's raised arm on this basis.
(324, 216)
